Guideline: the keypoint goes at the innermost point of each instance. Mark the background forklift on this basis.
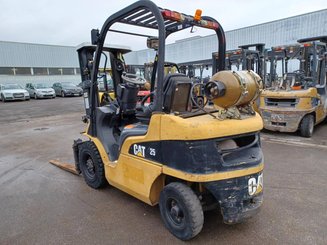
(246, 57)
(163, 153)
(297, 99)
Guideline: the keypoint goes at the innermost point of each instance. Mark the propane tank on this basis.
(233, 88)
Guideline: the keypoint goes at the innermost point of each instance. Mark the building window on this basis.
(7, 71)
(68, 71)
(23, 71)
(55, 71)
(40, 71)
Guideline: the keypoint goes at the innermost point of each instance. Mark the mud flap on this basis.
(233, 196)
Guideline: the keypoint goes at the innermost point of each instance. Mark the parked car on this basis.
(67, 89)
(40, 90)
(101, 85)
(12, 91)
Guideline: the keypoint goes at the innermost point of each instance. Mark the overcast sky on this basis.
(69, 22)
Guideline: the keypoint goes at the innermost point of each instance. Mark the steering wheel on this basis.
(132, 78)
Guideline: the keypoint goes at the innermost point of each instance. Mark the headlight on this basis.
(26, 94)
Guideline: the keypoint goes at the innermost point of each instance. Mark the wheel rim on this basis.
(35, 97)
(62, 94)
(175, 212)
(200, 102)
(89, 168)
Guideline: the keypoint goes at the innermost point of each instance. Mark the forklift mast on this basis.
(309, 51)
(249, 57)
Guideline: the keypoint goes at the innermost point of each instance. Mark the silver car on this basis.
(67, 89)
(40, 90)
(12, 91)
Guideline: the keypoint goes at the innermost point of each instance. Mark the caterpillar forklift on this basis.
(297, 99)
(163, 153)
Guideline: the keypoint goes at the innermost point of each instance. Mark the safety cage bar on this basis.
(145, 13)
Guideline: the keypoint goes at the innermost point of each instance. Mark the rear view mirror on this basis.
(152, 43)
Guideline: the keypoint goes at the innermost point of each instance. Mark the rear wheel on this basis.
(91, 165)
(307, 125)
(62, 94)
(35, 96)
(181, 211)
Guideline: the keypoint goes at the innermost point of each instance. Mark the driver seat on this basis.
(176, 96)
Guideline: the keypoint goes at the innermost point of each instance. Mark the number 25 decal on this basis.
(152, 151)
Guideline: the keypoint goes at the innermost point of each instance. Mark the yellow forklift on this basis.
(246, 57)
(163, 153)
(296, 99)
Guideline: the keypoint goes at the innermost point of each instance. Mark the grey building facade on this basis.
(24, 62)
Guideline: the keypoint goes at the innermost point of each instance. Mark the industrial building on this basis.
(25, 62)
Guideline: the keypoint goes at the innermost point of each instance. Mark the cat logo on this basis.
(139, 150)
(255, 186)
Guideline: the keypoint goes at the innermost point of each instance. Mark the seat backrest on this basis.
(176, 93)
(127, 97)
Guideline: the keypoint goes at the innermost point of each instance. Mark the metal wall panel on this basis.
(37, 55)
(22, 80)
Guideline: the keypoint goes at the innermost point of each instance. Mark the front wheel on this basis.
(3, 98)
(181, 211)
(307, 125)
(35, 96)
(62, 94)
(91, 165)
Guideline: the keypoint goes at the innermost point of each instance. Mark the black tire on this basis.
(35, 96)
(62, 94)
(91, 165)
(307, 125)
(181, 211)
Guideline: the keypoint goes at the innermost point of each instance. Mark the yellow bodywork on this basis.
(144, 179)
(292, 115)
